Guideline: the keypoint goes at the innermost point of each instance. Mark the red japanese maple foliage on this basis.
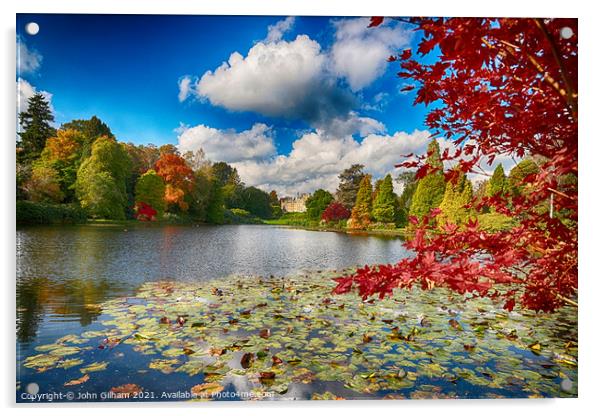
(144, 212)
(335, 211)
(499, 87)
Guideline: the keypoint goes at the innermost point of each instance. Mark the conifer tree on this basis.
(430, 188)
(385, 203)
(498, 183)
(457, 195)
(361, 213)
(36, 126)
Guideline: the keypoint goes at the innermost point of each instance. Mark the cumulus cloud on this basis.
(359, 54)
(254, 145)
(280, 79)
(28, 60)
(276, 31)
(185, 88)
(316, 161)
(25, 91)
(299, 79)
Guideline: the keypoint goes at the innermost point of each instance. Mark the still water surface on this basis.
(65, 272)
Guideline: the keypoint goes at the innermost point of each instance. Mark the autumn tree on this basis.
(525, 169)
(101, 180)
(150, 189)
(349, 185)
(43, 185)
(361, 215)
(455, 204)
(501, 87)
(385, 206)
(178, 178)
(431, 187)
(36, 127)
(317, 203)
(334, 212)
(62, 153)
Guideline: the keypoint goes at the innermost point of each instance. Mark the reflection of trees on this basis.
(71, 297)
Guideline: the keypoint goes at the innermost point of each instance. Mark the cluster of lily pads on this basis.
(292, 338)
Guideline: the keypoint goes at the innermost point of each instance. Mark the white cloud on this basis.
(359, 53)
(185, 88)
(281, 79)
(255, 144)
(276, 31)
(28, 60)
(316, 161)
(25, 91)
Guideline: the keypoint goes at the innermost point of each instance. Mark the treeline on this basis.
(82, 171)
(361, 204)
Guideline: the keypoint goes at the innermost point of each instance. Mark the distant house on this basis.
(294, 204)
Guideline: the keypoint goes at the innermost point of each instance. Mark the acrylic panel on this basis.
(295, 208)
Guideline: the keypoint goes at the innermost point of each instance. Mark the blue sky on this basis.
(299, 100)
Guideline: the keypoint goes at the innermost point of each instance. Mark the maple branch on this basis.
(563, 72)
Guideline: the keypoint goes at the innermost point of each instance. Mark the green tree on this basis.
(361, 212)
(457, 195)
(36, 128)
(201, 194)
(225, 174)
(101, 180)
(498, 183)
(317, 203)
(430, 188)
(519, 173)
(90, 130)
(150, 189)
(385, 207)
(255, 201)
(216, 205)
(349, 185)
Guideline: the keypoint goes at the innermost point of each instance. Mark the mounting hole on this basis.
(32, 28)
(566, 32)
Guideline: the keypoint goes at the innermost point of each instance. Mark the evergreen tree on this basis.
(430, 188)
(36, 128)
(457, 196)
(385, 205)
(349, 185)
(150, 189)
(361, 213)
(317, 203)
(498, 183)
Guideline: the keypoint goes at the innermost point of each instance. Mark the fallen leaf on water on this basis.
(264, 333)
(247, 359)
(78, 381)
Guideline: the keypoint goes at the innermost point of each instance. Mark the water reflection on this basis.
(64, 273)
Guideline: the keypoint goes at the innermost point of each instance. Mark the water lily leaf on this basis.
(96, 366)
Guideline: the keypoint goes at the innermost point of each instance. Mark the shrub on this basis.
(42, 213)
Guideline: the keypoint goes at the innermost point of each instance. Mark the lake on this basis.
(97, 308)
